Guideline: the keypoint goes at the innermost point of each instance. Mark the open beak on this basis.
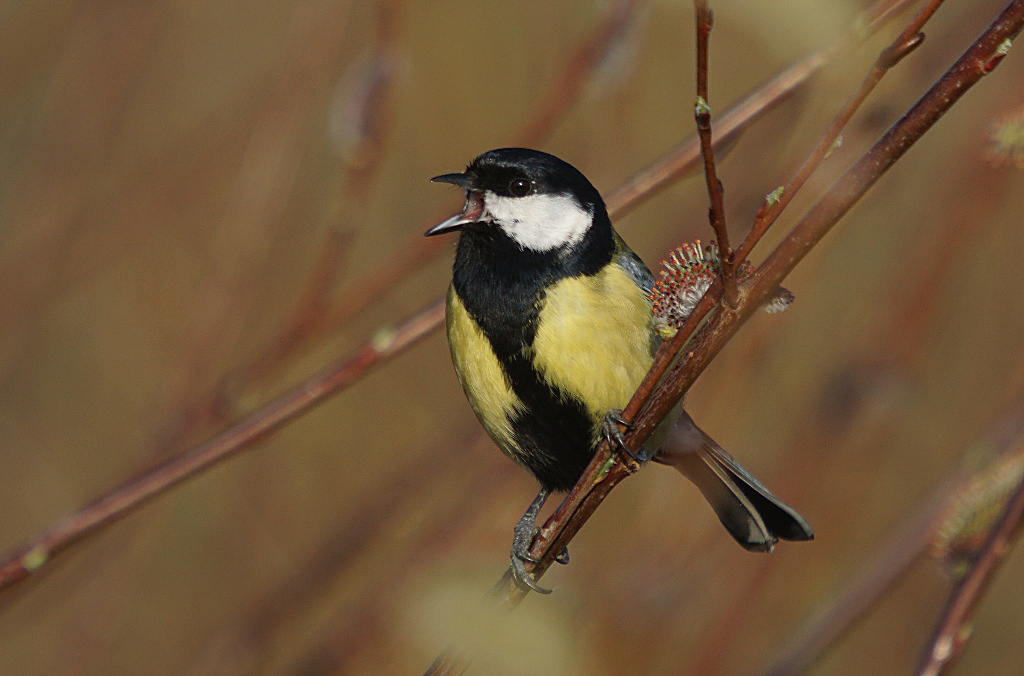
(472, 212)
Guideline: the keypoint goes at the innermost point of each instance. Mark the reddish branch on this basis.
(716, 192)
(680, 159)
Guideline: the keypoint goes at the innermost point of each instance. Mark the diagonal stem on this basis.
(716, 191)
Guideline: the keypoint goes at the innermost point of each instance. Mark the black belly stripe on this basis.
(554, 430)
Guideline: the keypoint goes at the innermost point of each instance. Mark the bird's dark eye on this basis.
(519, 187)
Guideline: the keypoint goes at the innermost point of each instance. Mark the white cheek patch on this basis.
(539, 222)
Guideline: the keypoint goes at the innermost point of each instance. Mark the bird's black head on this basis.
(536, 199)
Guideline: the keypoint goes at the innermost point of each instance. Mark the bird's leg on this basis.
(610, 427)
(522, 538)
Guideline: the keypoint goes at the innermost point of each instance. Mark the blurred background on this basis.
(202, 204)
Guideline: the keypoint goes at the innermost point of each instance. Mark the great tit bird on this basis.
(551, 331)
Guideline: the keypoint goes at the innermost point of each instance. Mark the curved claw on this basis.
(525, 579)
(610, 427)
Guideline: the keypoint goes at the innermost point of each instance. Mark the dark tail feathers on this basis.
(752, 515)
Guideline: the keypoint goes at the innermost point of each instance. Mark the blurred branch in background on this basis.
(256, 200)
(359, 126)
(241, 435)
(937, 520)
(50, 192)
(977, 544)
(580, 65)
(309, 322)
(310, 588)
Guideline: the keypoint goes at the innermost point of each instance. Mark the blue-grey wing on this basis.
(632, 264)
(641, 276)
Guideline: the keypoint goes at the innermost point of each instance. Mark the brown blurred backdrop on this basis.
(184, 183)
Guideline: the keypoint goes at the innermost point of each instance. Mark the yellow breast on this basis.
(593, 339)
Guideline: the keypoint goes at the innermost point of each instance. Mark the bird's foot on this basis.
(522, 538)
(610, 427)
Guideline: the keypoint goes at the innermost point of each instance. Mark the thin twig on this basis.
(716, 191)
(755, 105)
(907, 41)
(979, 60)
